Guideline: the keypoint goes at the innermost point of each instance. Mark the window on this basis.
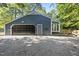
(55, 26)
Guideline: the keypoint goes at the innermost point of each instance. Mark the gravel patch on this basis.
(39, 46)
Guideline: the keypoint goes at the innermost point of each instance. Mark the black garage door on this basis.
(23, 30)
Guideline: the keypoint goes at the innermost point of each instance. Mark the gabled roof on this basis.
(32, 13)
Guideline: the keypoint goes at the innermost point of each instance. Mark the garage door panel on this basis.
(23, 29)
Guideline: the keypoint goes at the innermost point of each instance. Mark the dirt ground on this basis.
(39, 46)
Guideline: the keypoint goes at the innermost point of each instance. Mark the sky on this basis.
(48, 7)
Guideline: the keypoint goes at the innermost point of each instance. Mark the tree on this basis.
(10, 11)
(68, 13)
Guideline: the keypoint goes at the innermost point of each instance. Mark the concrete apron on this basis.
(34, 36)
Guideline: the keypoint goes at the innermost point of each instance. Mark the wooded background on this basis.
(66, 13)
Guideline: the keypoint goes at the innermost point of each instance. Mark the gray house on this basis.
(32, 24)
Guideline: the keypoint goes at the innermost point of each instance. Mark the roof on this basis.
(32, 13)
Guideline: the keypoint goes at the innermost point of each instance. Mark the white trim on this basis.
(4, 30)
(51, 27)
(20, 24)
(56, 27)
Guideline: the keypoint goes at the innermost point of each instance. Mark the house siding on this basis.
(31, 19)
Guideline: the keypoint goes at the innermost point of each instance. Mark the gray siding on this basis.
(34, 20)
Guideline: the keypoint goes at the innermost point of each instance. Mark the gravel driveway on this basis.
(39, 46)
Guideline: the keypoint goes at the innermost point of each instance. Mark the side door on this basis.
(39, 29)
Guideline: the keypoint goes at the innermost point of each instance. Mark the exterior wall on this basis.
(31, 20)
